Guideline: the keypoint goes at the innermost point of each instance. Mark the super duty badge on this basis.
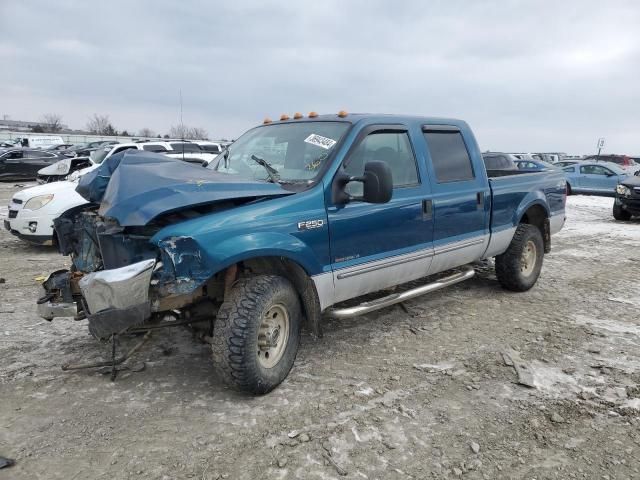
(310, 224)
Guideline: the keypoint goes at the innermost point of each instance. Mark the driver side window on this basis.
(393, 148)
(595, 170)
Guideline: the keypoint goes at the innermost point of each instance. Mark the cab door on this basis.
(374, 246)
(461, 197)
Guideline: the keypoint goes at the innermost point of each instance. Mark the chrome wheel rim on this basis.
(273, 336)
(528, 259)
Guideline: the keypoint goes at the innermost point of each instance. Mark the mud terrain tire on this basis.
(256, 333)
(519, 267)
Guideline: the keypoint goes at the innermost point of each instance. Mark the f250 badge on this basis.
(310, 224)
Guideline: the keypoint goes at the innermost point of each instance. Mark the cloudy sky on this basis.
(527, 75)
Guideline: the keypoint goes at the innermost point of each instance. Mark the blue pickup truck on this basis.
(296, 220)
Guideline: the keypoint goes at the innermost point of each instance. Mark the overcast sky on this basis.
(527, 75)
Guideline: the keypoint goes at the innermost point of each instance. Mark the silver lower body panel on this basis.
(367, 307)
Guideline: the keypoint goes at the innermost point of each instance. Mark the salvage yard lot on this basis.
(419, 390)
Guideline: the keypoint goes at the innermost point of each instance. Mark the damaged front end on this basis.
(119, 279)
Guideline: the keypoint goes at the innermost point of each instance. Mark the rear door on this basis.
(461, 197)
(11, 164)
(374, 246)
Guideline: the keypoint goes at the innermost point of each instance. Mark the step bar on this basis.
(373, 305)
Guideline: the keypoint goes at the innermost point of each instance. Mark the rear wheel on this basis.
(620, 213)
(519, 267)
(256, 333)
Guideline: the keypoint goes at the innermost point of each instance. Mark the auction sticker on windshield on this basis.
(320, 141)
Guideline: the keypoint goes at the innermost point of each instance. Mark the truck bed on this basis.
(523, 189)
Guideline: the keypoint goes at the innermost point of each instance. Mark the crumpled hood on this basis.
(134, 187)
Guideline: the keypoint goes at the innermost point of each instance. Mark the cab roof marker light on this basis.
(313, 114)
(266, 120)
(297, 116)
(342, 113)
(284, 117)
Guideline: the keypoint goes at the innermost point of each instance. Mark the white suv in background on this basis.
(32, 210)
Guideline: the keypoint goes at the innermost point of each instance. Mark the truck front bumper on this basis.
(112, 300)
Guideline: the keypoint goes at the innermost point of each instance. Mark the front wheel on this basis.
(519, 267)
(256, 333)
(620, 214)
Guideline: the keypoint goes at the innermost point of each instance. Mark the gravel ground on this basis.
(419, 390)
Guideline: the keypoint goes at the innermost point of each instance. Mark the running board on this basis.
(373, 305)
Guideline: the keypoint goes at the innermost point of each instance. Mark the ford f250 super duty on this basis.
(295, 220)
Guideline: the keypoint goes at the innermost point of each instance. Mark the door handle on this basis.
(480, 200)
(427, 209)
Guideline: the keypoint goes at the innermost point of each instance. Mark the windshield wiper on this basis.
(272, 172)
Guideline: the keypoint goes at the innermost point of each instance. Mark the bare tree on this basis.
(188, 133)
(100, 125)
(198, 133)
(51, 122)
(146, 132)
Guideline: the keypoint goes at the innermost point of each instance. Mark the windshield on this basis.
(97, 156)
(295, 152)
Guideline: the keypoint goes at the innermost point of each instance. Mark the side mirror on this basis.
(609, 174)
(377, 183)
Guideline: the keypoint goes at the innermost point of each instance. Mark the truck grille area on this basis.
(119, 250)
(95, 244)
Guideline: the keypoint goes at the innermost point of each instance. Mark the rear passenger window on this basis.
(393, 148)
(449, 156)
(155, 148)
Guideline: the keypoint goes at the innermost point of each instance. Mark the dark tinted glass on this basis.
(449, 156)
(186, 147)
(496, 162)
(210, 148)
(154, 148)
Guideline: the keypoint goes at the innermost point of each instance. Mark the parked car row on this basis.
(20, 163)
